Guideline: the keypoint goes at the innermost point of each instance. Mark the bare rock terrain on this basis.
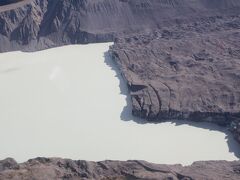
(55, 168)
(31, 25)
(188, 71)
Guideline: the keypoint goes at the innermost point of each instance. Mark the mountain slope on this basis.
(38, 24)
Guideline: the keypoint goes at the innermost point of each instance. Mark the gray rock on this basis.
(38, 24)
(185, 71)
(56, 168)
(8, 164)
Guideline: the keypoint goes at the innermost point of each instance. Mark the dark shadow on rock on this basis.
(126, 114)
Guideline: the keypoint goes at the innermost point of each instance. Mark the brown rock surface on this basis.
(56, 168)
(39, 24)
(187, 71)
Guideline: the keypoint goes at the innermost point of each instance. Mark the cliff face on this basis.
(38, 24)
(48, 169)
(187, 71)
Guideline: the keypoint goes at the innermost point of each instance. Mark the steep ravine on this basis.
(179, 58)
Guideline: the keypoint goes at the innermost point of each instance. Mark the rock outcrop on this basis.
(55, 168)
(188, 71)
(38, 24)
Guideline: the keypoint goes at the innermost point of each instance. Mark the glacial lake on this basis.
(71, 102)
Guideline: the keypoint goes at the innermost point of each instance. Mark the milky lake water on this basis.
(68, 102)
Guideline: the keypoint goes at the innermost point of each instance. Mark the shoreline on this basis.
(58, 76)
